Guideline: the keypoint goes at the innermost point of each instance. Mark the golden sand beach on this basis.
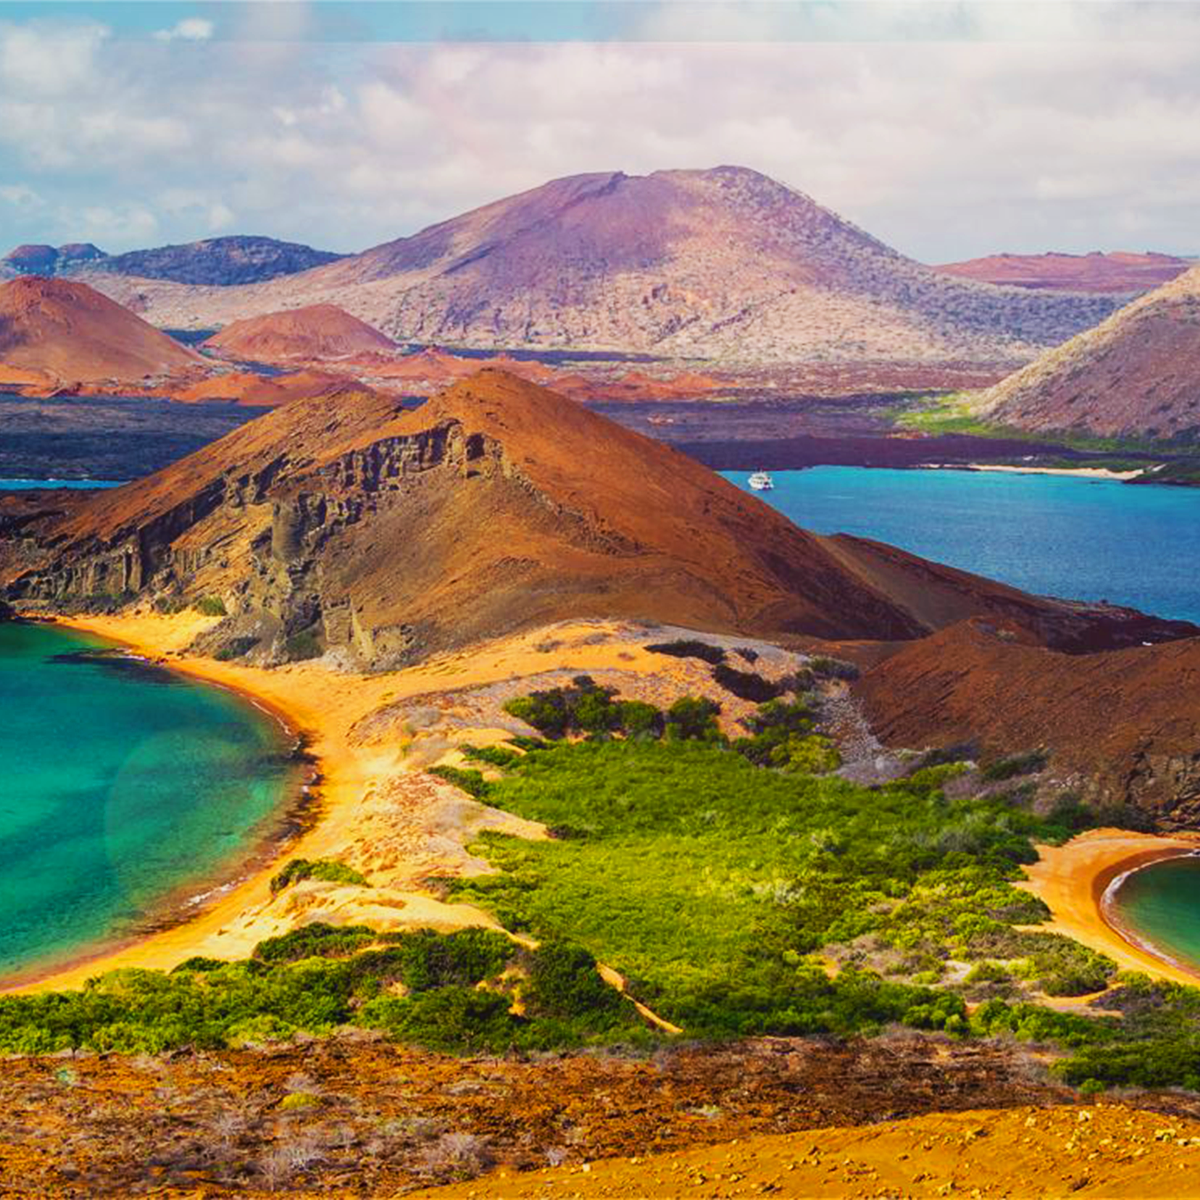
(375, 808)
(1072, 879)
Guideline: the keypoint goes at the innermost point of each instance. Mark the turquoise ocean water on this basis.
(1054, 535)
(121, 785)
(1160, 905)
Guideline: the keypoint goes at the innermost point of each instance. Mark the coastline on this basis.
(1072, 880)
(369, 803)
(1004, 468)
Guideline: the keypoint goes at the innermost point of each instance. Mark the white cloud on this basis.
(1083, 138)
(190, 29)
(21, 196)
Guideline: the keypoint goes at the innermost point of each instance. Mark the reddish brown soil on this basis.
(375, 1117)
(1119, 271)
(1104, 1151)
(319, 331)
(71, 333)
(1122, 725)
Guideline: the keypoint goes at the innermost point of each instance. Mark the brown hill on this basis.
(711, 263)
(1118, 271)
(73, 333)
(262, 391)
(1121, 726)
(320, 331)
(1135, 375)
(350, 522)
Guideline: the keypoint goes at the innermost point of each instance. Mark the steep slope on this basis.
(1135, 375)
(72, 333)
(1119, 271)
(1121, 726)
(319, 331)
(716, 263)
(346, 521)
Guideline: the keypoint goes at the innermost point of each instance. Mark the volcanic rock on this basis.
(390, 533)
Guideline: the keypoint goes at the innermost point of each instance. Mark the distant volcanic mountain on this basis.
(318, 331)
(717, 263)
(347, 522)
(71, 333)
(1117, 272)
(216, 262)
(49, 260)
(1135, 375)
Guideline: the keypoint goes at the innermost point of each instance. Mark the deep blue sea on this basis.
(121, 785)
(1057, 535)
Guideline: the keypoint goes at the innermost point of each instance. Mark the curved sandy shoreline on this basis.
(1072, 880)
(361, 784)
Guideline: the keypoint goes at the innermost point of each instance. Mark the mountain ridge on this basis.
(719, 263)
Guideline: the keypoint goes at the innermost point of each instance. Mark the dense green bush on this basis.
(690, 648)
(319, 978)
(746, 685)
(210, 606)
(693, 719)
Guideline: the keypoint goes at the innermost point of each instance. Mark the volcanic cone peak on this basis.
(316, 331)
(72, 332)
(353, 524)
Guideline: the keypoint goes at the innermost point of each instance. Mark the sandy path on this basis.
(1071, 879)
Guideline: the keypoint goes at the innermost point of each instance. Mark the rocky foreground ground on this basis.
(901, 1115)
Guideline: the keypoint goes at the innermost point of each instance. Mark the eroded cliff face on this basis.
(257, 543)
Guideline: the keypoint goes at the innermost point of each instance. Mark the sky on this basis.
(948, 129)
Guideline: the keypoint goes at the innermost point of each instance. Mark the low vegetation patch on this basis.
(471, 991)
(325, 869)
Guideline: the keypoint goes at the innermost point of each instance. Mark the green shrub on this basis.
(693, 718)
(210, 606)
(1014, 765)
(325, 869)
(303, 646)
(690, 648)
(470, 781)
(746, 685)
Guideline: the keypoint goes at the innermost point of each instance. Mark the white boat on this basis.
(761, 481)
